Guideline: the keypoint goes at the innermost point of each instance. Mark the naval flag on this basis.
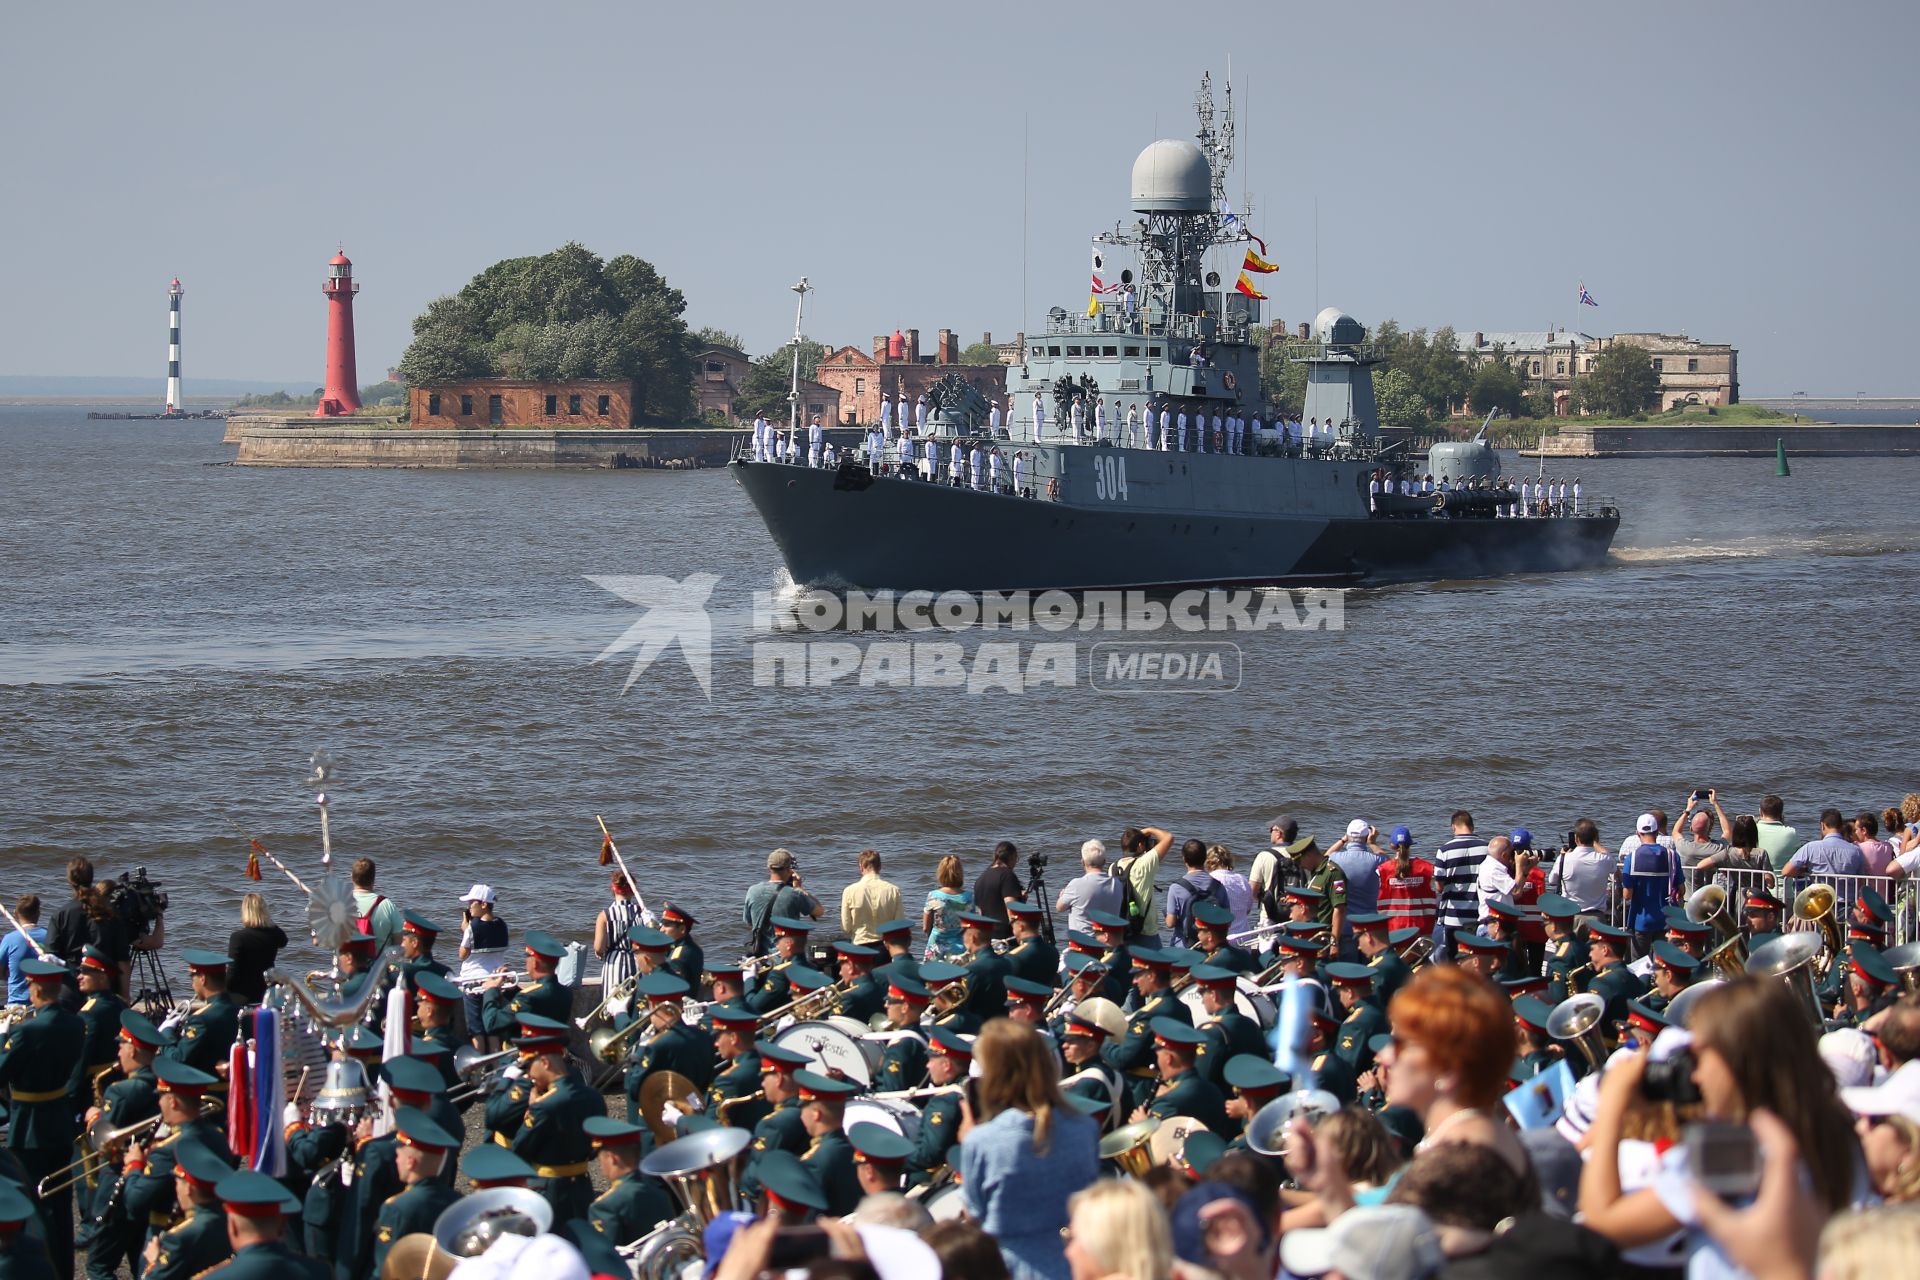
(1246, 286)
(1586, 299)
(1099, 286)
(1257, 264)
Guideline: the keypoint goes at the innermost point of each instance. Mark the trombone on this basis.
(478, 1072)
(622, 991)
(103, 1144)
(827, 998)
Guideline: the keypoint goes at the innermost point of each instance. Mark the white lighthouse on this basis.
(173, 347)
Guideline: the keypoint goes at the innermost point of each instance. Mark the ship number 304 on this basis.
(1110, 477)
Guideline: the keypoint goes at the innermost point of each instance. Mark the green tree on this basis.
(768, 382)
(708, 336)
(981, 353)
(1283, 382)
(1399, 401)
(1622, 382)
(560, 315)
(1495, 386)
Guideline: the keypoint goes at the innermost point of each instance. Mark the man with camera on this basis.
(1583, 870)
(1694, 832)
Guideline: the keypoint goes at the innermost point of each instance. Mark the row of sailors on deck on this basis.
(1542, 497)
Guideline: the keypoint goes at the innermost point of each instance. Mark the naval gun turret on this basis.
(954, 408)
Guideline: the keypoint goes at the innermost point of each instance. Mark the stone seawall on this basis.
(359, 446)
(1650, 441)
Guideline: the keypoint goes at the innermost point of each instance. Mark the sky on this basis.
(1742, 173)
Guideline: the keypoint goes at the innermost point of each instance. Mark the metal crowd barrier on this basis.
(1902, 895)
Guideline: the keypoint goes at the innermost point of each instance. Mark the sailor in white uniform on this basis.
(973, 465)
(1039, 417)
(1133, 425)
(993, 470)
(1219, 438)
(1019, 473)
(1576, 495)
(886, 415)
(919, 414)
(1166, 428)
(1100, 420)
(953, 464)
(815, 438)
(993, 418)
(1373, 492)
(1076, 418)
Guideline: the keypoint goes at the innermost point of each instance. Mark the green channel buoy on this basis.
(1780, 457)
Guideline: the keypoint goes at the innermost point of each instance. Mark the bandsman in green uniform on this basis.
(726, 984)
(1762, 912)
(506, 1109)
(1181, 1090)
(210, 1029)
(1612, 981)
(436, 1006)
(1390, 972)
(903, 1063)
(685, 960)
(1692, 936)
(1087, 977)
(896, 936)
(949, 1055)
(355, 957)
(829, 1156)
(1298, 957)
(864, 994)
(807, 983)
(1872, 911)
(37, 1061)
(100, 1010)
(23, 1245)
(1325, 876)
(1360, 1021)
(417, 936)
(793, 1192)
(1087, 1075)
(315, 1154)
(731, 1098)
(1534, 1051)
(1534, 985)
(373, 1168)
(541, 993)
(551, 1138)
(1031, 956)
(780, 1130)
(416, 1083)
(1212, 924)
(1330, 1070)
(879, 1158)
(1110, 935)
(257, 1209)
(1872, 986)
(950, 1010)
(674, 1045)
(1673, 972)
(423, 1152)
(1503, 926)
(1133, 1054)
(489, 1166)
(1643, 1026)
(107, 1234)
(147, 1173)
(199, 1239)
(631, 1205)
(649, 947)
(1566, 958)
(1370, 1090)
(771, 989)
(1255, 1082)
(1027, 1002)
(1225, 1031)
(986, 972)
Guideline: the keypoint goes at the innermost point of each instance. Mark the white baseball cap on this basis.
(479, 893)
(1359, 827)
(1646, 824)
(1850, 1054)
(1897, 1095)
(1382, 1242)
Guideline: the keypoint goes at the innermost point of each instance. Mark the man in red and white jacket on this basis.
(1408, 896)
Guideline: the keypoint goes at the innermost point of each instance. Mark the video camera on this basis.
(138, 901)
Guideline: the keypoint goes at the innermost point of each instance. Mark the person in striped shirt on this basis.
(1408, 897)
(1456, 865)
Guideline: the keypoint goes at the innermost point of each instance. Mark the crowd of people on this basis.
(1356, 1060)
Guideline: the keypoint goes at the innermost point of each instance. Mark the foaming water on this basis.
(175, 637)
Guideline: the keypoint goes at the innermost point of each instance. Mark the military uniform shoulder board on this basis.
(1319, 1061)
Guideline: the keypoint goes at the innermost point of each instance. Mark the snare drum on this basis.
(948, 1204)
(833, 1050)
(902, 1118)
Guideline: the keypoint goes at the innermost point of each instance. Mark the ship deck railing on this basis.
(1113, 321)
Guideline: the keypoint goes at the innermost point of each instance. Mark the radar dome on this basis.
(1336, 328)
(1171, 176)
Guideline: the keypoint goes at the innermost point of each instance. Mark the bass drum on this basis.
(948, 1204)
(833, 1051)
(902, 1118)
(1247, 998)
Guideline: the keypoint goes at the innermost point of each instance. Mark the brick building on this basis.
(1690, 372)
(897, 367)
(718, 372)
(479, 403)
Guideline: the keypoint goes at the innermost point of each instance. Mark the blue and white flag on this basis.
(1228, 219)
(1586, 299)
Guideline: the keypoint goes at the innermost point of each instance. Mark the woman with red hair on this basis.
(1453, 1044)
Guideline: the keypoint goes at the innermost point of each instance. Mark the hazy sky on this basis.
(1741, 172)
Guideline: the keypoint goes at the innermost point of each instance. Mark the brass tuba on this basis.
(1791, 958)
(1267, 1128)
(702, 1170)
(1576, 1021)
(1708, 905)
(1132, 1147)
(1905, 960)
(1816, 904)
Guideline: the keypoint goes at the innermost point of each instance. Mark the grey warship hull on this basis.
(848, 528)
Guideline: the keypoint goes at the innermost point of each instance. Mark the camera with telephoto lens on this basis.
(1036, 860)
(1671, 1080)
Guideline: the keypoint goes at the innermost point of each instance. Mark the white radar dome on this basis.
(1172, 176)
(1335, 326)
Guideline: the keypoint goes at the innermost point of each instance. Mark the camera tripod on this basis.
(147, 985)
(1037, 894)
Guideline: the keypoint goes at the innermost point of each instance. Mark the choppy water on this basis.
(176, 636)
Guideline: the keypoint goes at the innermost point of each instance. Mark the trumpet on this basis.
(827, 999)
(948, 998)
(925, 1091)
(510, 981)
(721, 1111)
(621, 992)
(611, 1047)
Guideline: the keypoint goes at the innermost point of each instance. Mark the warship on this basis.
(944, 505)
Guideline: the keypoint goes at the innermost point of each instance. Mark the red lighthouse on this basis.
(342, 395)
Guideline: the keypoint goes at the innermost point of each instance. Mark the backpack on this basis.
(1131, 907)
(1185, 927)
(1273, 895)
(363, 925)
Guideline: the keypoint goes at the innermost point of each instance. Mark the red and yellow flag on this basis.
(253, 859)
(1257, 264)
(1246, 286)
(606, 850)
